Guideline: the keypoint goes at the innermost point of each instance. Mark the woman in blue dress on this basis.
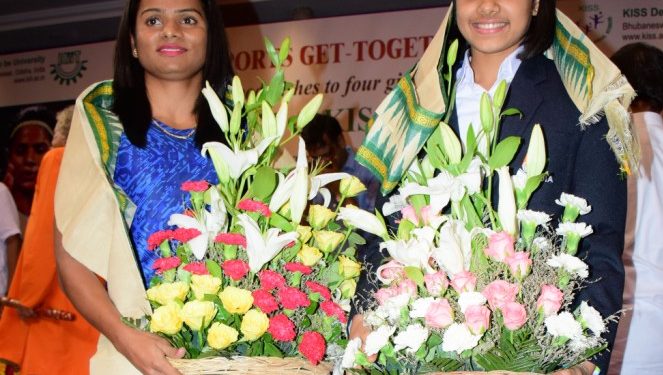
(134, 140)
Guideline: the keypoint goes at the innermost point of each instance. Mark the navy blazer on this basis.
(580, 162)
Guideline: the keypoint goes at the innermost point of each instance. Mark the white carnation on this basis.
(394, 305)
(563, 325)
(420, 306)
(577, 202)
(377, 339)
(591, 319)
(541, 243)
(468, 299)
(570, 264)
(412, 338)
(350, 354)
(582, 343)
(581, 229)
(536, 217)
(458, 338)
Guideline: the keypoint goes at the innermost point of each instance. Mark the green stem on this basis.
(340, 247)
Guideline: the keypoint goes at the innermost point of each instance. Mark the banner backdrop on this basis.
(353, 60)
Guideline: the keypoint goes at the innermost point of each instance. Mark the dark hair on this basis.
(130, 97)
(642, 65)
(34, 113)
(320, 126)
(539, 36)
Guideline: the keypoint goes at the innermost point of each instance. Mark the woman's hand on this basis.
(147, 352)
(358, 329)
(585, 368)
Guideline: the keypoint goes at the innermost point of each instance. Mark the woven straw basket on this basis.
(249, 366)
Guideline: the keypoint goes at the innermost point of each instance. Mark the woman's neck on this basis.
(174, 102)
(486, 66)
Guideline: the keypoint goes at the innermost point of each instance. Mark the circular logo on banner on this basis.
(69, 67)
(594, 22)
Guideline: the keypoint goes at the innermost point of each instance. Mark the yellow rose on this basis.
(163, 294)
(254, 324)
(351, 186)
(204, 284)
(166, 319)
(348, 288)
(327, 241)
(220, 336)
(348, 268)
(304, 233)
(236, 300)
(285, 210)
(319, 216)
(309, 255)
(198, 314)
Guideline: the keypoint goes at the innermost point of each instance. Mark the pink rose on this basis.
(408, 287)
(514, 315)
(384, 294)
(464, 282)
(550, 300)
(390, 271)
(499, 292)
(477, 319)
(439, 314)
(519, 263)
(500, 246)
(436, 283)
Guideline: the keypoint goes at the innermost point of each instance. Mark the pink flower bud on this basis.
(436, 283)
(550, 300)
(477, 319)
(500, 292)
(464, 282)
(500, 246)
(519, 263)
(439, 314)
(514, 315)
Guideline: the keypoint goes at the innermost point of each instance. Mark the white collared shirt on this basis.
(468, 92)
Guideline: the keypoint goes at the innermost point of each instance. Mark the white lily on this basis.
(414, 252)
(298, 197)
(454, 249)
(535, 159)
(506, 208)
(363, 220)
(199, 243)
(215, 218)
(318, 182)
(395, 204)
(261, 248)
(440, 188)
(235, 161)
(216, 107)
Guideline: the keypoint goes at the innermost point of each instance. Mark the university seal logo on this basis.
(69, 67)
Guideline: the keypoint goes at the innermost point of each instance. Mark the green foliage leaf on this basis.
(405, 227)
(356, 239)
(284, 50)
(415, 274)
(511, 112)
(264, 183)
(278, 221)
(272, 351)
(271, 52)
(213, 268)
(504, 152)
(275, 88)
(470, 148)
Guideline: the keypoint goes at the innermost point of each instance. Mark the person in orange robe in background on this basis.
(38, 344)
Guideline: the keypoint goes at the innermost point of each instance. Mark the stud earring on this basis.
(134, 52)
(535, 11)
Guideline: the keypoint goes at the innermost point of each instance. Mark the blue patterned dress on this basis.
(151, 177)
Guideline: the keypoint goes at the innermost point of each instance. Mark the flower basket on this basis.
(249, 366)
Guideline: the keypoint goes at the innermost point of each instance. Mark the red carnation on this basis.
(270, 279)
(319, 288)
(184, 235)
(254, 206)
(297, 267)
(332, 309)
(231, 239)
(197, 268)
(281, 328)
(312, 347)
(164, 264)
(197, 186)
(292, 298)
(264, 301)
(157, 238)
(235, 269)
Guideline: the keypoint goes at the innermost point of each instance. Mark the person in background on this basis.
(10, 237)
(28, 142)
(637, 349)
(34, 343)
(132, 144)
(324, 141)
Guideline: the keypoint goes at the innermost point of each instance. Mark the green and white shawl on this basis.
(406, 118)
